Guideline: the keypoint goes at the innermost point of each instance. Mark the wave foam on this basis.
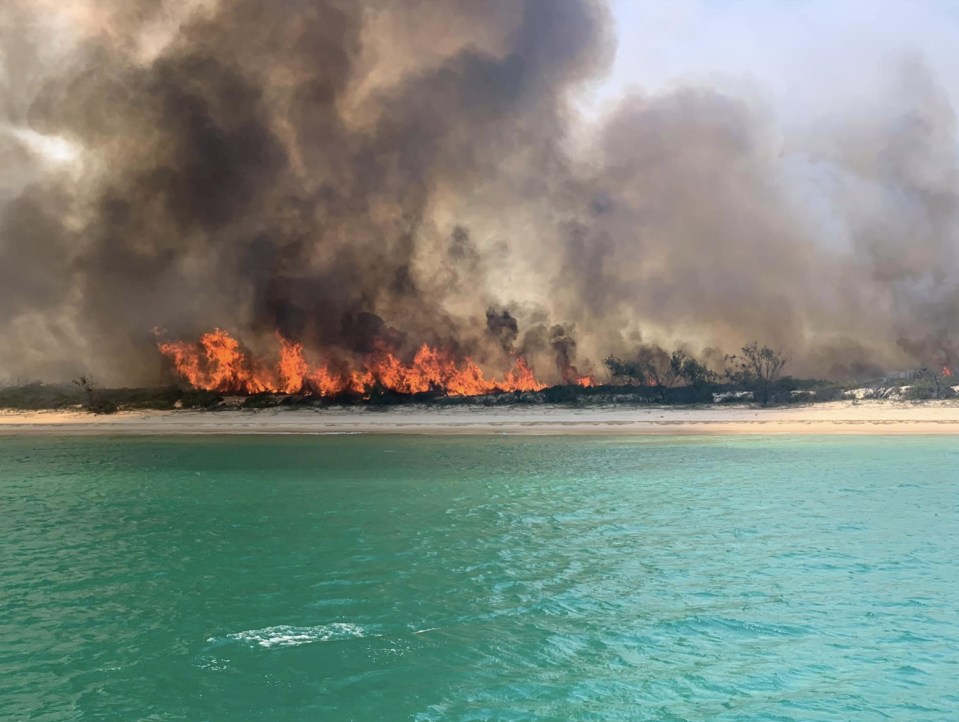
(287, 636)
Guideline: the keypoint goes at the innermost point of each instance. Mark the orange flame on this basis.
(292, 369)
(572, 376)
(218, 363)
(946, 371)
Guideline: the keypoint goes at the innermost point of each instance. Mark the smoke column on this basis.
(358, 171)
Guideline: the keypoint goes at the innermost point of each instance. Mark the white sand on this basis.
(844, 417)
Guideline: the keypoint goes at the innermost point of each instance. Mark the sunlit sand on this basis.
(875, 417)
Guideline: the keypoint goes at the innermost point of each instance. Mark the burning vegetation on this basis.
(219, 363)
(219, 372)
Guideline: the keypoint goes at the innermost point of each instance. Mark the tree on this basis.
(690, 371)
(658, 369)
(87, 386)
(624, 372)
(759, 368)
(94, 404)
(654, 368)
(937, 377)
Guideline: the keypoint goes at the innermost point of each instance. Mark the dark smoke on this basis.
(564, 347)
(502, 327)
(293, 166)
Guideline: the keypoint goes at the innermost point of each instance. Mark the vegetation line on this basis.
(651, 376)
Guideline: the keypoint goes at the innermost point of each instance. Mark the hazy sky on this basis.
(802, 56)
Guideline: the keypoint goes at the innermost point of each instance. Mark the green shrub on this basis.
(262, 401)
(919, 392)
(103, 406)
(37, 397)
(200, 400)
(562, 394)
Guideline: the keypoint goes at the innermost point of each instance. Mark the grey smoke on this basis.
(349, 172)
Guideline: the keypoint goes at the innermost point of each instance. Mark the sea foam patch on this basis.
(289, 636)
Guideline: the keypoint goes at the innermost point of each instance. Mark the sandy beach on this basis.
(872, 417)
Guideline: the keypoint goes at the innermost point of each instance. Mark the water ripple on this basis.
(511, 578)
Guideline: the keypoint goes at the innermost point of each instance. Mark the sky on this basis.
(801, 56)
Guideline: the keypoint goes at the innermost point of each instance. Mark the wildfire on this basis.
(218, 363)
(573, 377)
(946, 371)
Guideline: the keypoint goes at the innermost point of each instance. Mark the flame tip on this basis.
(219, 363)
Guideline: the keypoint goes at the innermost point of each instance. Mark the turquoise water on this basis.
(484, 578)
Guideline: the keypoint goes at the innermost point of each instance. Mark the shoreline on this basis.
(842, 417)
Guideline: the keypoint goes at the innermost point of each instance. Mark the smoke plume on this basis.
(348, 173)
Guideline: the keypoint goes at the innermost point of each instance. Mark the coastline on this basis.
(843, 417)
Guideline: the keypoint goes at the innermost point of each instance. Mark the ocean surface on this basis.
(372, 578)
